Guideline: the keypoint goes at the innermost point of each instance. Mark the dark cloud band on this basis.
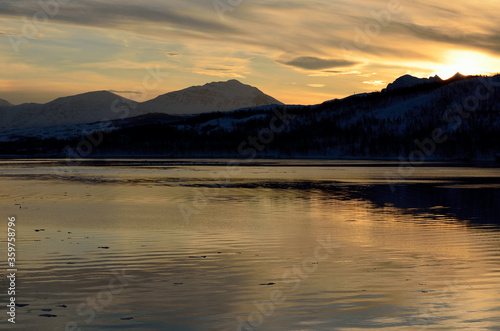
(315, 63)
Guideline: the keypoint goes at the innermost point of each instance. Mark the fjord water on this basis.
(269, 245)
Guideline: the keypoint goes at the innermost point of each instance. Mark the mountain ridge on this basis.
(400, 124)
(77, 109)
(214, 96)
(406, 81)
(104, 105)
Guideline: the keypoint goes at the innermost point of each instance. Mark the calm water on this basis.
(187, 245)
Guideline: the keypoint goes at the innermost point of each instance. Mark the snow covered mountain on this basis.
(94, 107)
(216, 96)
(79, 109)
(411, 81)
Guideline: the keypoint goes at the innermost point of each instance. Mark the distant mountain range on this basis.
(102, 105)
(428, 119)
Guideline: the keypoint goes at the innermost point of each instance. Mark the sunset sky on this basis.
(297, 51)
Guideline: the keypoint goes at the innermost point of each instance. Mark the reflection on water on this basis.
(308, 245)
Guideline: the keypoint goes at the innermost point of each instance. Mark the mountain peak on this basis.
(231, 82)
(456, 77)
(90, 107)
(211, 97)
(95, 96)
(411, 81)
(234, 81)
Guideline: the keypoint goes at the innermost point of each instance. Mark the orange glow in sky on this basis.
(298, 52)
(467, 63)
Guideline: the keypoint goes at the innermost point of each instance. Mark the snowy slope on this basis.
(81, 130)
(228, 123)
(217, 96)
(58, 132)
(399, 107)
(79, 109)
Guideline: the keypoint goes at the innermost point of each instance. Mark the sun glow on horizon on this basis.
(467, 63)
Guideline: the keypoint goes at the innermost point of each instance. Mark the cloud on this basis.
(316, 85)
(124, 92)
(316, 63)
(105, 14)
(486, 41)
(331, 73)
(219, 66)
(375, 82)
(217, 72)
(269, 42)
(122, 64)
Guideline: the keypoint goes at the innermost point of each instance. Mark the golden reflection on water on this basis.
(341, 259)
